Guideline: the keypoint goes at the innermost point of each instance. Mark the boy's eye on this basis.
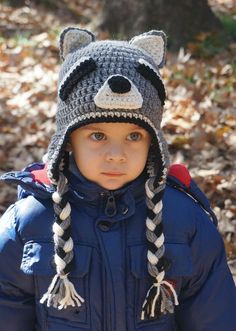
(98, 136)
(134, 136)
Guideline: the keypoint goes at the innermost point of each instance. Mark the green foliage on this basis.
(229, 24)
(208, 45)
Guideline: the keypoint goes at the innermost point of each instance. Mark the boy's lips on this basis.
(113, 173)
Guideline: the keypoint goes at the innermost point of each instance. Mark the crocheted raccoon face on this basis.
(108, 80)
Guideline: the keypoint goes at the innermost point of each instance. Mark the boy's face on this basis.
(110, 154)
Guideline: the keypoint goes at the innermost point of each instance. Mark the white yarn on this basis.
(107, 99)
(56, 197)
(153, 44)
(152, 258)
(154, 301)
(150, 225)
(61, 264)
(65, 212)
(149, 193)
(160, 241)
(71, 298)
(68, 245)
(158, 207)
(160, 277)
(45, 158)
(158, 286)
(74, 38)
(57, 229)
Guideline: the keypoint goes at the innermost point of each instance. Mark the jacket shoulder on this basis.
(34, 217)
(179, 216)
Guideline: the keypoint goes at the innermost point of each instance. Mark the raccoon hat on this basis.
(110, 81)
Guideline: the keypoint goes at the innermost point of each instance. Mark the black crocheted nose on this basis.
(119, 84)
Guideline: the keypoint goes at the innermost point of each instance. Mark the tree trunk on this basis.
(182, 20)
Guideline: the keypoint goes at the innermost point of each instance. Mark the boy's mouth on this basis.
(113, 173)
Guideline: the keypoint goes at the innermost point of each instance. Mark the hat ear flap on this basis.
(154, 43)
(74, 38)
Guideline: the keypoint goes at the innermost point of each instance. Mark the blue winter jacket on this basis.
(110, 267)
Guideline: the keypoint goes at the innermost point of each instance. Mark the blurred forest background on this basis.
(200, 76)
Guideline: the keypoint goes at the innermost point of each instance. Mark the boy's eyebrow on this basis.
(91, 127)
(136, 127)
(97, 128)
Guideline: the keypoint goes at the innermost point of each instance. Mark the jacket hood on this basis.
(32, 180)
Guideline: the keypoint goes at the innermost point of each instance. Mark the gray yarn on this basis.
(152, 269)
(167, 303)
(57, 209)
(157, 189)
(69, 256)
(151, 206)
(62, 186)
(158, 218)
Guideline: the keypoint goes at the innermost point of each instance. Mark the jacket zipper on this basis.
(110, 207)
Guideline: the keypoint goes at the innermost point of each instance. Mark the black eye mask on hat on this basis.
(149, 73)
(77, 72)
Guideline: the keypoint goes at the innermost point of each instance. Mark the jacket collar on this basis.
(89, 191)
(31, 181)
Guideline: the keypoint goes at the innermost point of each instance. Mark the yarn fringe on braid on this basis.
(61, 292)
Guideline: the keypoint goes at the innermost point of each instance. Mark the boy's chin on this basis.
(112, 185)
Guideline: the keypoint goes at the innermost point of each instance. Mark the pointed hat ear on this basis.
(154, 43)
(73, 38)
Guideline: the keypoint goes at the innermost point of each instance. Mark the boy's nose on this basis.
(115, 153)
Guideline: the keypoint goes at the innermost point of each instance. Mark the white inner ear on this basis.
(74, 39)
(154, 45)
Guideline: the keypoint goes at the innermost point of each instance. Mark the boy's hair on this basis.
(110, 81)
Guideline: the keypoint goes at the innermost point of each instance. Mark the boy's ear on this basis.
(73, 38)
(154, 43)
(68, 147)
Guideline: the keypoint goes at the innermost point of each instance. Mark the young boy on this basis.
(100, 238)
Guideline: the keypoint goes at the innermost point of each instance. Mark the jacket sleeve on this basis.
(207, 300)
(17, 311)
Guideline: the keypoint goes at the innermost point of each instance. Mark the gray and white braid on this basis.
(61, 292)
(161, 297)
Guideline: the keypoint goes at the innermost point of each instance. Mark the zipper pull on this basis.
(110, 209)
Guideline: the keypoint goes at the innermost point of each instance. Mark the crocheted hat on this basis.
(110, 81)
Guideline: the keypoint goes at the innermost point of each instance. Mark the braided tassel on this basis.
(161, 297)
(61, 292)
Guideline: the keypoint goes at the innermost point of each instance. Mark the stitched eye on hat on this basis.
(149, 73)
(82, 67)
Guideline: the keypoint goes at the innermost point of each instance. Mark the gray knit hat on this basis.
(110, 81)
